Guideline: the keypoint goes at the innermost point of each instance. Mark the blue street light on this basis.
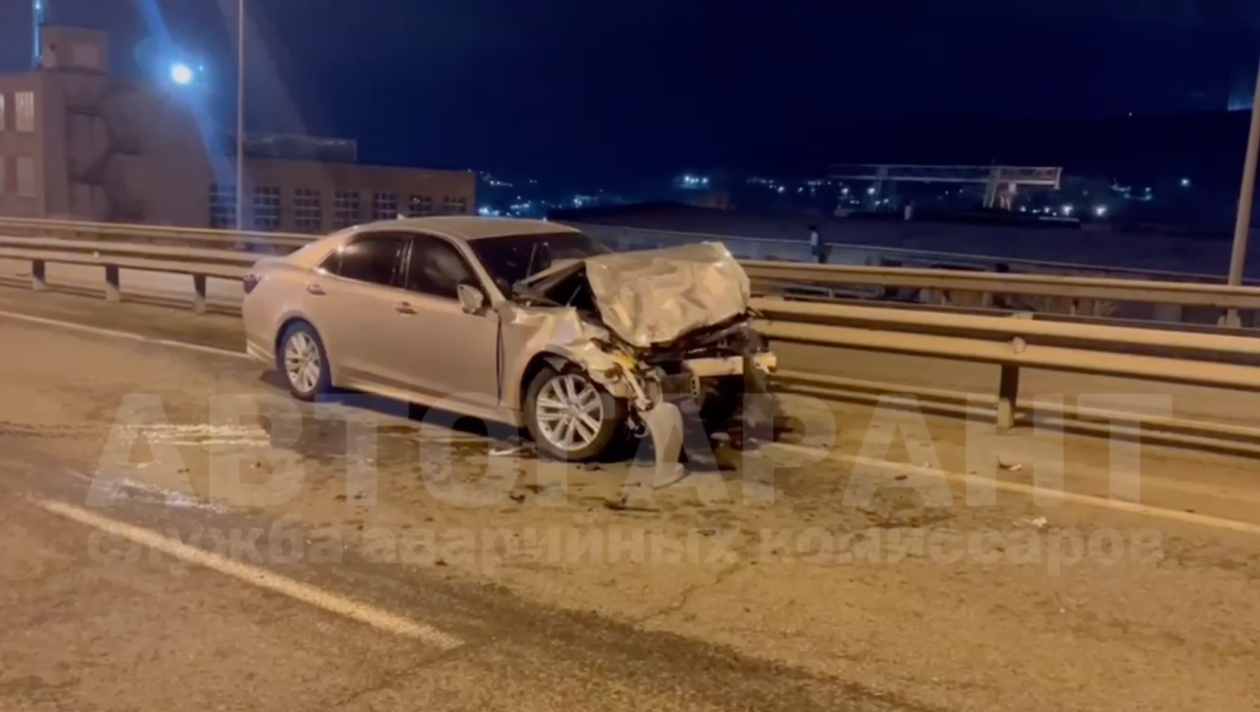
(181, 74)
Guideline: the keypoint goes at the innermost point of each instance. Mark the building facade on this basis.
(79, 144)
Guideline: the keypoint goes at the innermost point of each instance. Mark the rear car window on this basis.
(375, 259)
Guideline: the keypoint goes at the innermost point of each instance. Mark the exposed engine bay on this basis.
(670, 331)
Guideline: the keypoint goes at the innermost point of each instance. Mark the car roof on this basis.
(462, 228)
(467, 227)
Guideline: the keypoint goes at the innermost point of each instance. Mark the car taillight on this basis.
(251, 281)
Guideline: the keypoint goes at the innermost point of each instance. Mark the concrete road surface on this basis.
(175, 533)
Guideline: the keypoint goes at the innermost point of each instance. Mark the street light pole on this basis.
(240, 115)
(1242, 225)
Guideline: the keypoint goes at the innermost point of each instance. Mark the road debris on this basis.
(1013, 467)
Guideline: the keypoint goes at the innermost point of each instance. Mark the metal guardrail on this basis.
(121, 231)
(901, 254)
(1212, 360)
(1220, 360)
(1040, 285)
(1125, 290)
(199, 264)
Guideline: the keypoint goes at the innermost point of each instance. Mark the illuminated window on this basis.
(24, 109)
(223, 206)
(308, 209)
(26, 176)
(384, 205)
(345, 208)
(266, 207)
(419, 205)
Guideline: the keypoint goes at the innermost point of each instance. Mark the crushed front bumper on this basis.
(729, 365)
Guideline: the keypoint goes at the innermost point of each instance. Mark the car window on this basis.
(375, 259)
(437, 268)
(512, 258)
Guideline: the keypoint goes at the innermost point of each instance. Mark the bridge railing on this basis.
(1225, 358)
(1190, 299)
(761, 248)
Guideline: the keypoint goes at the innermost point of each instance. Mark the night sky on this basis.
(601, 89)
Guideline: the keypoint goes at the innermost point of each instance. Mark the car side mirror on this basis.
(471, 299)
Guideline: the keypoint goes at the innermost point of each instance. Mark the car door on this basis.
(355, 301)
(447, 353)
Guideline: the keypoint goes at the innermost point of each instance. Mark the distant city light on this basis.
(1022, 209)
(781, 189)
(181, 74)
(1185, 182)
(1100, 211)
(483, 211)
(1067, 209)
(844, 191)
(870, 191)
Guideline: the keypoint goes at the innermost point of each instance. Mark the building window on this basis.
(26, 176)
(223, 206)
(266, 207)
(419, 205)
(345, 208)
(308, 209)
(24, 108)
(384, 205)
(454, 205)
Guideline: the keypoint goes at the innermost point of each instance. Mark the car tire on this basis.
(302, 361)
(549, 423)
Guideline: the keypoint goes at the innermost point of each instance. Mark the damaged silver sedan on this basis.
(522, 322)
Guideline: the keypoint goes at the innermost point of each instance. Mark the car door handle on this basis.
(315, 289)
(404, 308)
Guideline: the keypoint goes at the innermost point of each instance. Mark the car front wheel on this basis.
(570, 416)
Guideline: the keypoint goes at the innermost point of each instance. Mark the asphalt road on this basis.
(128, 578)
(93, 622)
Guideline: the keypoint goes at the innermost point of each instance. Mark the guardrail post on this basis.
(199, 289)
(1008, 397)
(39, 276)
(113, 285)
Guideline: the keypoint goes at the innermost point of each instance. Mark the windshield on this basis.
(513, 258)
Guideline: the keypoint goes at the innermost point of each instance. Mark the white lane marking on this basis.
(1085, 499)
(124, 335)
(260, 577)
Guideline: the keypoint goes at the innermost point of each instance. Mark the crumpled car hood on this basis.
(654, 297)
